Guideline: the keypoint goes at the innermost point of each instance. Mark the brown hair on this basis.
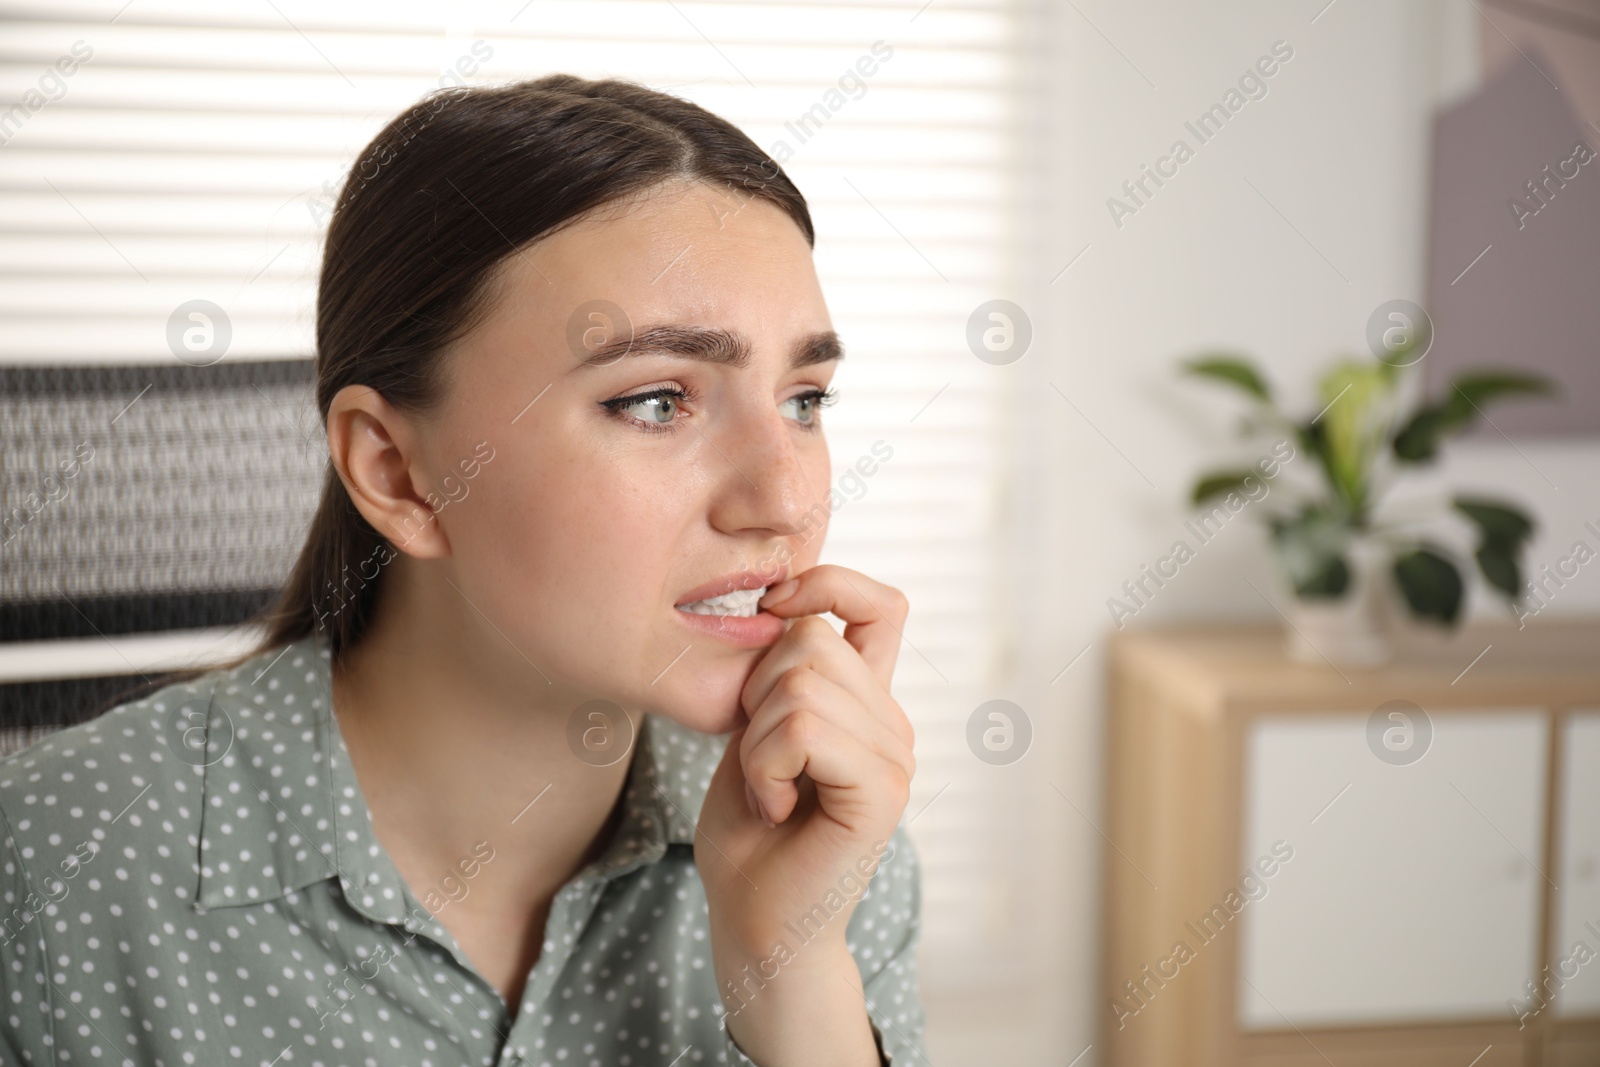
(455, 185)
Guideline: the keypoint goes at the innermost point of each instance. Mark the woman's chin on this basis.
(708, 702)
(707, 718)
(700, 720)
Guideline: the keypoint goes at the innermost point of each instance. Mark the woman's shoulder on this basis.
(88, 788)
(135, 769)
(130, 735)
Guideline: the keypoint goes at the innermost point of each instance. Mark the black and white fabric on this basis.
(141, 500)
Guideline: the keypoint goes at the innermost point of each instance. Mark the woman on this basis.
(471, 800)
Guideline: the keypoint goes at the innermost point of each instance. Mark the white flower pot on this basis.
(1354, 630)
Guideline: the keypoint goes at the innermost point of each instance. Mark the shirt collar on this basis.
(282, 809)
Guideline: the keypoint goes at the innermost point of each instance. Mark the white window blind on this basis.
(195, 150)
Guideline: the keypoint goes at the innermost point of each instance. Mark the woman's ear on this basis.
(374, 448)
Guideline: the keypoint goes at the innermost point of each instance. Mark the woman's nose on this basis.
(766, 484)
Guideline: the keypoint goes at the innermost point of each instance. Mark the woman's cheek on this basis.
(580, 535)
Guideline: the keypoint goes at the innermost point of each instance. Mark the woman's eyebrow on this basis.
(709, 344)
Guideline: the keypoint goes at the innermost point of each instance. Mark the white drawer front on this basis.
(1414, 895)
(1575, 952)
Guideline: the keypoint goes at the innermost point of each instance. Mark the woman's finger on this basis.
(803, 688)
(813, 645)
(853, 783)
(874, 614)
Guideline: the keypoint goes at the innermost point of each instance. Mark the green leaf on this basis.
(1311, 549)
(1500, 568)
(1314, 441)
(1219, 482)
(1502, 530)
(1431, 584)
(1358, 399)
(1232, 370)
(1499, 524)
(1470, 392)
(1330, 581)
(1418, 439)
(1310, 435)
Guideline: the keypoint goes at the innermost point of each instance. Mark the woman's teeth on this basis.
(740, 602)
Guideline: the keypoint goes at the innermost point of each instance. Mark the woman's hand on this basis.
(827, 758)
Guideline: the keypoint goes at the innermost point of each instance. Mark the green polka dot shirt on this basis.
(193, 878)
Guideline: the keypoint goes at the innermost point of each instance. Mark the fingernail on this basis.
(780, 592)
(750, 799)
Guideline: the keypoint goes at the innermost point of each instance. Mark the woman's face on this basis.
(592, 522)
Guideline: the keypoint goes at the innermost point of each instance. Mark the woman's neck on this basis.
(454, 744)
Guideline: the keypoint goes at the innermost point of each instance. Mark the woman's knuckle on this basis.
(902, 788)
(800, 727)
(811, 630)
(797, 686)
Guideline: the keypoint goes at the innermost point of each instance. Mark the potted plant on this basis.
(1343, 556)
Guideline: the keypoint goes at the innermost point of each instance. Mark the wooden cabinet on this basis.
(1388, 866)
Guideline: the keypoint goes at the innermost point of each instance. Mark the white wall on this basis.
(1339, 146)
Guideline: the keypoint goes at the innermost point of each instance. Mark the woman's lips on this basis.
(741, 631)
(747, 578)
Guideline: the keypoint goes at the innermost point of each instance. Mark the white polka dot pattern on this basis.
(193, 878)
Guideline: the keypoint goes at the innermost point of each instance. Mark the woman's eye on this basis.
(659, 409)
(654, 411)
(810, 403)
